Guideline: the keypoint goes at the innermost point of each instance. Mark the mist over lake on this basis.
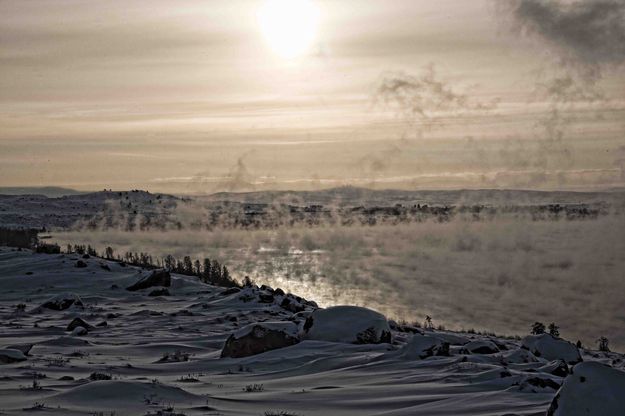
(499, 275)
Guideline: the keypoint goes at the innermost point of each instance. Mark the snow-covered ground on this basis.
(166, 351)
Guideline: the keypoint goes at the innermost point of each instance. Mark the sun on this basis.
(289, 26)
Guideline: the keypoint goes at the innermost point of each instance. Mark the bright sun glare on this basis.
(289, 26)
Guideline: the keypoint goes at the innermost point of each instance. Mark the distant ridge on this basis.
(350, 195)
(49, 191)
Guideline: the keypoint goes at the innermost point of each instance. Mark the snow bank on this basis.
(423, 346)
(115, 393)
(592, 389)
(550, 348)
(8, 356)
(349, 324)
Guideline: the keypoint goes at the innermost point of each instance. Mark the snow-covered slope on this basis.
(165, 351)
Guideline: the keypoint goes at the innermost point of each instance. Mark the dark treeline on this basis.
(18, 237)
(207, 270)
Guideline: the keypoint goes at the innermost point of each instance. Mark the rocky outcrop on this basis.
(156, 278)
(260, 337)
(78, 322)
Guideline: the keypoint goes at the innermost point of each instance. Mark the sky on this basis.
(205, 96)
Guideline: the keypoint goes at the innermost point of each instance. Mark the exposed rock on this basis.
(78, 322)
(480, 347)
(592, 389)
(551, 348)
(291, 305)
(264, 296)
(103, 323)
(423, 346)
(8, 356)
(349, 324)
(156, 278)
(63, 301)
(80, 264)
(159, 292)
(260, 337)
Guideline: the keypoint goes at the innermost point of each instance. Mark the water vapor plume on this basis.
(424, 100)
(589, 34)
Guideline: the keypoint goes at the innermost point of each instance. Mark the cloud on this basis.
(590, 33)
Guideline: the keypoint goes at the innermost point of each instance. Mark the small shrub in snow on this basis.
(57, 362)
(96, 376)
(165, 411)
(189, 378)
(253, 388)
(36, 406)
(603, 344)
(428, 322)
(280, 413)
(175, 357)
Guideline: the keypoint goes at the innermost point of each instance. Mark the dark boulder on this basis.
(260, 337)
(156, 278)
(80, 264)
(76, 322)
(265, 296)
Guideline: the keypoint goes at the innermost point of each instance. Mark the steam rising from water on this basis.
(499, 275)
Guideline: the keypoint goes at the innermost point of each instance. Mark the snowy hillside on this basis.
(181, 347)
(66, 211)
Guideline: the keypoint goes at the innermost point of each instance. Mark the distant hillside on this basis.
(123, 207)
(350, 196)
(49, 191)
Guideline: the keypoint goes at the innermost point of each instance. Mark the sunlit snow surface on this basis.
(310, 378)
